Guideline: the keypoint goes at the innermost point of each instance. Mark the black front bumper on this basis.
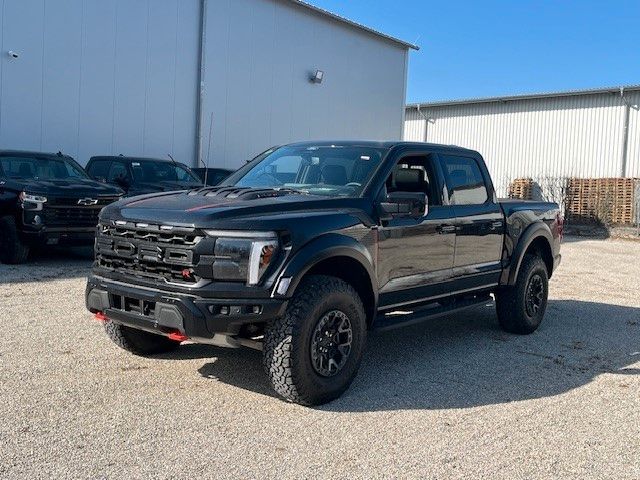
(77, 236)
(164, 312)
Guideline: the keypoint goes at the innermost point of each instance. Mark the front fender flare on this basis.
(322, 248)
(531, 233)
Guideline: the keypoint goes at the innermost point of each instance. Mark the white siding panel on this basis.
(259, 56)
(548, 137)
(99, 76)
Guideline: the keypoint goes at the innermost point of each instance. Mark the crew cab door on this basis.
(479, 220)
(415, 251)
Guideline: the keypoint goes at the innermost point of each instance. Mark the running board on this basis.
(403, 317)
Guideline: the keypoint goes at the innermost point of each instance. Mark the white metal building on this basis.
(588, 133)
(145, 77)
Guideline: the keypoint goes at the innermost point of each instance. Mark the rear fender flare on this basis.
(531, 233)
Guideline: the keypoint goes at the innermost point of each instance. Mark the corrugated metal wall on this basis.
(99, 77)
(259, 56)
(579, 135)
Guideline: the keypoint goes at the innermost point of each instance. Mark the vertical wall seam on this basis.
(115, 76)
(175, 80)
(81, 69)
(44, 29)
(146, 79)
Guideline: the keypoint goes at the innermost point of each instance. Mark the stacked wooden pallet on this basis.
(601, 200)
(521, 188)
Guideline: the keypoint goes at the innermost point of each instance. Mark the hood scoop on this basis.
(241, 193)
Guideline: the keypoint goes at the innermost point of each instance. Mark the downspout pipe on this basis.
(625, 134)
(426, 123)
(201, 76)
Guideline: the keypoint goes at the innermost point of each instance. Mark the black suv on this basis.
(302, 251)
(138, 176)
(47, 199)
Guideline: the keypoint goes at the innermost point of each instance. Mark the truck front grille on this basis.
(153, 252)
(66, 212)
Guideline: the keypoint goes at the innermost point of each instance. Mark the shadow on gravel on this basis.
(467, 361)
(50, 264)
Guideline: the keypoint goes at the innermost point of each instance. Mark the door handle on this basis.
(445, 229)
(495, 225)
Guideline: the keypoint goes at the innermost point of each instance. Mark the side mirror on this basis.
(404, 204)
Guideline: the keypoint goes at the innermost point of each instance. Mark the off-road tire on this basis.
(139, 342)
(12, 250)
(511, 306)
(287, 343)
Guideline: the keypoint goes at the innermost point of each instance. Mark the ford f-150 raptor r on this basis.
(304, 249)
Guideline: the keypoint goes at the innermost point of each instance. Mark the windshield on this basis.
(41, 168)
(154, 172)
(336, 171)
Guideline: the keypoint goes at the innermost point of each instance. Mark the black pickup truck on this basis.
(47, 199)
(303, 250)
(138, 175)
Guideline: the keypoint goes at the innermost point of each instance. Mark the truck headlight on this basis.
(32, 202)
(242, 256)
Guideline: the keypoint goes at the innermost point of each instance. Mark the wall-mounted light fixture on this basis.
(316, 77)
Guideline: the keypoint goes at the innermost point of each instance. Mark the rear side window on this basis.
(464, 180)
(99, 168)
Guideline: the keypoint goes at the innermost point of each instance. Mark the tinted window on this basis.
(118, 171)
(414, 174)
(153, 172)
(99, 168)
(464, 180)
(41, 168)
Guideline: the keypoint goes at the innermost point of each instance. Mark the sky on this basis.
(473, 49)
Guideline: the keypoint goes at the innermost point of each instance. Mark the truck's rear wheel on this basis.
(12, 250)
(521, 307)
(139, 342)
(312, 353)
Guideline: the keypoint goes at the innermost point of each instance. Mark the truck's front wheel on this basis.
(12, 250)
(313, 352)
(521, 307)
(139, 342)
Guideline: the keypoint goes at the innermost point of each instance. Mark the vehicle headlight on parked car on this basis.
(32, 202)
(242, 256)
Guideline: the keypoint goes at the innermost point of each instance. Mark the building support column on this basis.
(201, 76)
(625, 134)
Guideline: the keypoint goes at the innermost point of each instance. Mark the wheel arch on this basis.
(537, 238)
(339, 256)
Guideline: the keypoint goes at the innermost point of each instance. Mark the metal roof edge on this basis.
(354, 24)
(531, 96)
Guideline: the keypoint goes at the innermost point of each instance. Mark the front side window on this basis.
(41, 168)
(414, 174)
(333, 170)
(118, 172)
(155, 172)
(465, 182)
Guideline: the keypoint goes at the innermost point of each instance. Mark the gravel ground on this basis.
(450, 398)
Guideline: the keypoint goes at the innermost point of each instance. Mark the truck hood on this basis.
(76, 187)
(235, 208)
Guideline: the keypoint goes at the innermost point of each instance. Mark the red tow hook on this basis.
(178, 336)
(101, 317)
